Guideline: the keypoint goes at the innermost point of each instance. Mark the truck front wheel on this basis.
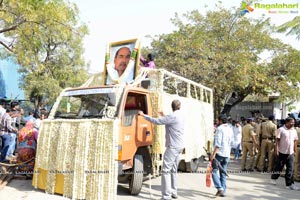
(136, 179)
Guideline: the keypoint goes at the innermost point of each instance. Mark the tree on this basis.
(291, 27)
(285, 75)
(287, 64)
(221, 50)
(45, 38)
(2, 86)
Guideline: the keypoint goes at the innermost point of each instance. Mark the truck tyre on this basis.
(193, 165)
(136, 180)
(182, 166)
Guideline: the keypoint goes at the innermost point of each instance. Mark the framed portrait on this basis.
(121, 62)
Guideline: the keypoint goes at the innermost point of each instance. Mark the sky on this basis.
(117, 20)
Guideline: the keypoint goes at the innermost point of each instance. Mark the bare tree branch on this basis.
(12, 27)
(7, 47)
(9, 28)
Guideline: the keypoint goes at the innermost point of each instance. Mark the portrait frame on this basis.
(133, 65)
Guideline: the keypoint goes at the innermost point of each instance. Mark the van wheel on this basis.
(136, 179)
(193, 165)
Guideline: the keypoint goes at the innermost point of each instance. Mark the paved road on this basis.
(247, 186)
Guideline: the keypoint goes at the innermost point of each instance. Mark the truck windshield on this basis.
(86, 103)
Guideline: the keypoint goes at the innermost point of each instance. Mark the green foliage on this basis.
(287, 65)
(291, 27)
(285, 75)
(221, 50)
(45, 38)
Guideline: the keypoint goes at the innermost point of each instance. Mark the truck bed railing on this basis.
(165, 81)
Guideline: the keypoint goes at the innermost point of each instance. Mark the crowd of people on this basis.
(262, 146)
(19, 134)
(258, 142)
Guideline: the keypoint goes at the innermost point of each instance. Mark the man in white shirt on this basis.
(237, 135)
(221, 154)
(285, 148)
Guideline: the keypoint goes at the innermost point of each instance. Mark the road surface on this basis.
(247, 186)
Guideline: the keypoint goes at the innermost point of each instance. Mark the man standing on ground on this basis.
(8, 135)
(221, 154)
(249, 142)
(268, 134)
(237, 135)
(285, 148)
(174, 145)
(297, 155)
(257, 130)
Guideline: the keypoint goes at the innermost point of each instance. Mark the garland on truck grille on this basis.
(84, 152)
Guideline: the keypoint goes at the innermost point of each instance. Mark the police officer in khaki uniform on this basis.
(268, 133)
(297, 156)
(257, 130)
(249, 142)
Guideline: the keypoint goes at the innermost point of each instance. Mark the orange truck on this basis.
(94, 138)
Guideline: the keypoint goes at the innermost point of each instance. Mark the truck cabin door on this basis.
(134, 125)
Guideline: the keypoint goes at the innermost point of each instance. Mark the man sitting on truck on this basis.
(174, 145)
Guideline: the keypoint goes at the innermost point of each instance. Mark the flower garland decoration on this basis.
(84, 152)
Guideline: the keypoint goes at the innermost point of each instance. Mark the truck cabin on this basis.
(134, 103)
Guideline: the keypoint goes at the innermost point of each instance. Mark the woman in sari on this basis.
(27, 139)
